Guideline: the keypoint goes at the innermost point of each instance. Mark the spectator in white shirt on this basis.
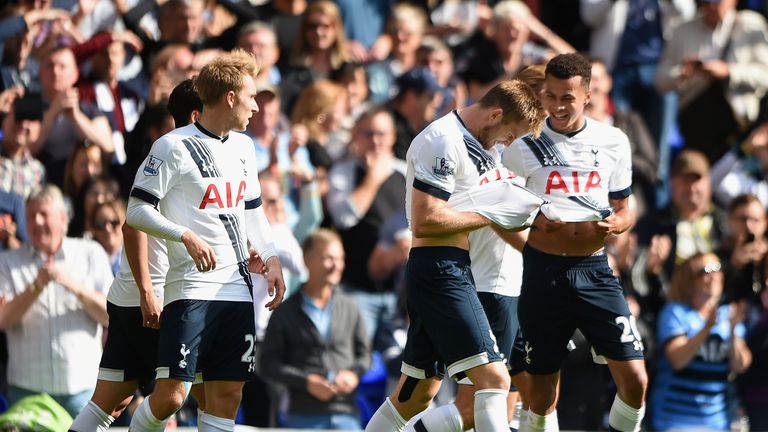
(54, 290)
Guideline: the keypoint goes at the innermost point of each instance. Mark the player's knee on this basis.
(492, 376)
(164, 405)
(632, 388)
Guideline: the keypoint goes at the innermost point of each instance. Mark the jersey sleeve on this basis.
(620, 182)
(671, 323)
(435, 166)
(159, 172)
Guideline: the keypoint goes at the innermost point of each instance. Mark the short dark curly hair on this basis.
(566, 66)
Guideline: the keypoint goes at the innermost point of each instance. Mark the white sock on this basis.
(517, 416)
(144, 421)
(445, 418)
(211, 423)
(541, 423)
(491, 410)
(386, 419)
(625, 418)
(91, 418)
(524, 421)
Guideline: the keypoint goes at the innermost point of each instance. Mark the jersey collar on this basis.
(209, 133)
(568, 134)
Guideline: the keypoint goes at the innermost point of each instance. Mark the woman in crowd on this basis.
(701, 345)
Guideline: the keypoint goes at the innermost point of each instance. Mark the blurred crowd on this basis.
(344, 87)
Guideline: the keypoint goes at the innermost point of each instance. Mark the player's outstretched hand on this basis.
(201, 253)
(275, 282)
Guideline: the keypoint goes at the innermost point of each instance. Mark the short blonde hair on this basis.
(51, 194)
(224, 74)
(518, 102)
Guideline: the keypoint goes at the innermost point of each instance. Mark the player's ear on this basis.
(231, 96)
(496, 115)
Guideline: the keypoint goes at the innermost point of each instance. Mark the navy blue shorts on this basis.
(448, 325)
(501, 311)
(130, 352)
(560, 294)
(215, 337)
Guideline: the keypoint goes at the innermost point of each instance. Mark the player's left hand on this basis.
(275, 282)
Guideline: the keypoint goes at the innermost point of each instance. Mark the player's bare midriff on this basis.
(460, 240)
(573, 239)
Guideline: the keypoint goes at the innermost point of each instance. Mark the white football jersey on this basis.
(444, 159)
(124, 291)
(578, 172)
(204, 183)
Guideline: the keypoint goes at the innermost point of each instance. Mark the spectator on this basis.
(365, 191)
(84, 163)
(54, 287)
(106, 228)
(435, 55)
(316, 344)
(320, 47)
(259, 39)
(114, 98)
(743, 170)
(320, 109)
(20, 172)
(13, 227)
(703, 343)
(743, 252)
(414, 106)
(67, 121)
(716, 62)
(354, 78)
(687, 226)
(406, 28)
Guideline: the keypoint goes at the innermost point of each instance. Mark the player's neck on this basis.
(214, 123)
(470, 118)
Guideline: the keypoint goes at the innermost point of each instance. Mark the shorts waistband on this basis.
(597, 259)
(440, 253)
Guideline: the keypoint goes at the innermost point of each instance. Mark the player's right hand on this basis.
(200, 252)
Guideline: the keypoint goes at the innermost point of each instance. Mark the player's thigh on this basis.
(228, 348)
(501, 312)
(130, 351)
(604, 317)
(182, 325)
(544, 311)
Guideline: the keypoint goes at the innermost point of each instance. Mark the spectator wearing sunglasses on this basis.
(703, 343)
(106, 224)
